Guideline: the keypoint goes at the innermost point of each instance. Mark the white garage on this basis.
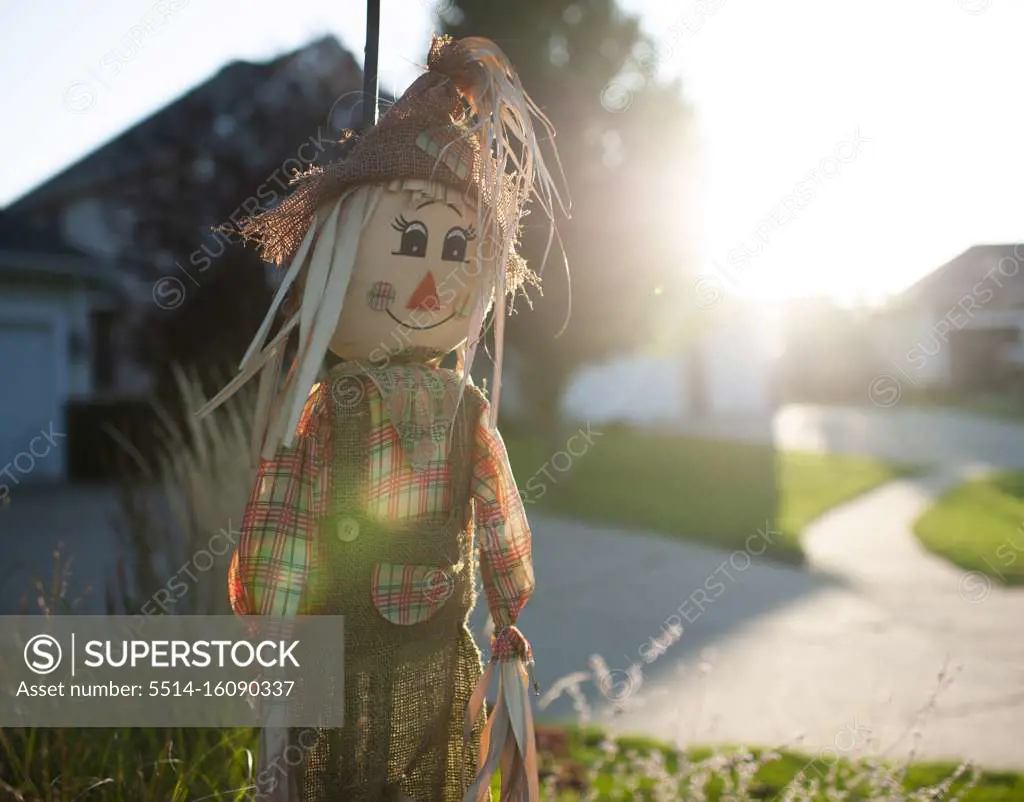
(33, 368)
(50, 296)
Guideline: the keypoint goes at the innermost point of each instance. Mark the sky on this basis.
(846, 147)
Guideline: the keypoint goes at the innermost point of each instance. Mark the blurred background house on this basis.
(193, 152)
(119, 272)
(959, 331)
(954, 336)
(61, 342)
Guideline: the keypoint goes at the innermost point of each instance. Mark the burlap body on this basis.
(405, 687)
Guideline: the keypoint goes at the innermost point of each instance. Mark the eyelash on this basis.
(401, 224)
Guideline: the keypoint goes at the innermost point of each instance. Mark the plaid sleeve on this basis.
(276, 545)
(503, 539)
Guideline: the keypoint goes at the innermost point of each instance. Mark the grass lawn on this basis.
(712, 491)
(979, 525)
(52, 765)
(770, 773)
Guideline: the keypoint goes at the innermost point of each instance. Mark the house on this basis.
(221, 139)
(59, 341)
(93, 256)
(959, 329)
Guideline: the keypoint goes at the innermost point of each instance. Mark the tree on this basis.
(621, 137)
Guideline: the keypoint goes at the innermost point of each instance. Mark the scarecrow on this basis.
(382, 480)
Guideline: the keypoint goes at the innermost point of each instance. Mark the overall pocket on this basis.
(411, 594)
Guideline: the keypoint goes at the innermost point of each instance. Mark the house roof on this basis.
(999, 268)
(240, 92)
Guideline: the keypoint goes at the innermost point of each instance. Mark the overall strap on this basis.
(460, 457)
(350, 458)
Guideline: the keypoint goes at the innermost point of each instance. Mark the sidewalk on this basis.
(888, 641)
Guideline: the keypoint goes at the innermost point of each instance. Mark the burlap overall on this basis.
(405, 686)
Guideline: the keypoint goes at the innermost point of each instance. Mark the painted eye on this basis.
(455, 245)
(380, 296)
(414, 238)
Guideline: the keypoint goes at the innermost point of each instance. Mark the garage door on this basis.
(29, 399)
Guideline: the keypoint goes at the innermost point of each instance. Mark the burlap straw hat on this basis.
(427, 134)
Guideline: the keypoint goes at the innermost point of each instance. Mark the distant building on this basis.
(59, 341)
(79, 275)
(223, 128)
(960, 329)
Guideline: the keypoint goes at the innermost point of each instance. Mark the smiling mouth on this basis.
(419, 328)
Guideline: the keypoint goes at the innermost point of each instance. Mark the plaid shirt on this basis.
(276, 547)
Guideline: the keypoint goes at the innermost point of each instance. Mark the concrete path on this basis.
(880, 648)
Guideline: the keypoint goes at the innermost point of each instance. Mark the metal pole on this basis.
(370, 77)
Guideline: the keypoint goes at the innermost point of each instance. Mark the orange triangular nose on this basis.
(425, 295)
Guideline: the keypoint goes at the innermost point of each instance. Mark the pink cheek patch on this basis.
(380, 296)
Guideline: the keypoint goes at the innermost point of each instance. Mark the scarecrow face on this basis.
(416, 280)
